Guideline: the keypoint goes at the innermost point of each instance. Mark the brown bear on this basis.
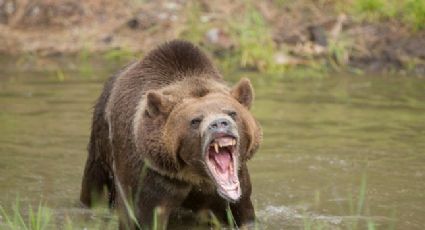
(168, 134)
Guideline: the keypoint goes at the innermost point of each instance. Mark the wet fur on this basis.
(122, 147)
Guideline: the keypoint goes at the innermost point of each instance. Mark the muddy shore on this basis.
(302, 33)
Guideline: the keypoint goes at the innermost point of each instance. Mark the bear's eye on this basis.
(232, 114)
(194, 123)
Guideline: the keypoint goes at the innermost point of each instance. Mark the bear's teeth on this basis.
(216, 147)
(225, 141)
(222, 142)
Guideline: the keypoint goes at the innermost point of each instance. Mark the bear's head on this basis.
(208, 132)
(198, 129)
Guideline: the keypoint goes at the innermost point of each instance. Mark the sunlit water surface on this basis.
(325, 140)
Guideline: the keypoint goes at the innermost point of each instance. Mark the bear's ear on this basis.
(243, 92)
(157, 103)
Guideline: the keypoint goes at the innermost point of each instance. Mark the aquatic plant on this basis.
(357, 210)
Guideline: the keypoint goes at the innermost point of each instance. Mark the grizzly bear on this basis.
(168, 134)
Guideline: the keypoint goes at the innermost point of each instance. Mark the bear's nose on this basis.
(218, 124)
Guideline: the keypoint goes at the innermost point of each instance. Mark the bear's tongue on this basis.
(222, 164)
(222, 160)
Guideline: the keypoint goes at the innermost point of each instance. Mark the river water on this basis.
(339, 152)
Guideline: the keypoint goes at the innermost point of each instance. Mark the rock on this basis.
(142, 21)
(284, 59)
(318, 35)
(219, 39)
(107, 39)
(133, 23)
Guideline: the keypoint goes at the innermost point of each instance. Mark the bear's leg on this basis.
(243, 210)
(156, 197)
(95, 179)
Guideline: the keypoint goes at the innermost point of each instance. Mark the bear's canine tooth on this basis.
(216, 147)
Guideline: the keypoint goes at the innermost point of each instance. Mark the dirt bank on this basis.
(299, 33)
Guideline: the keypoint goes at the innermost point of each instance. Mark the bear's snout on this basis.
(214, 124)
(219, 125)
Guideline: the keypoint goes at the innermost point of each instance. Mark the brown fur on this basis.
(139, 124)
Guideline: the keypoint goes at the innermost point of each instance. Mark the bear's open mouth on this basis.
(220, 158)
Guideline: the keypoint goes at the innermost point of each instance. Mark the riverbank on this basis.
(267, 36)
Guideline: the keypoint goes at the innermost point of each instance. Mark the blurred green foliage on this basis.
(411, 12)
(256, 47)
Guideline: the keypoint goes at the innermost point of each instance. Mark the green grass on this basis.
(87, 61)
(339, 52)
(230, 219)
(250, 32)
(252, 35)
(85, 68)
(120, 55)
(193, 29)
(41, 217)
(37, 219)
(375, 9)
(410, 12)
(256, 48)
(357, 209)
(414, 13)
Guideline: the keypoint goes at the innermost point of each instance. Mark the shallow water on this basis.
(324, 141)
